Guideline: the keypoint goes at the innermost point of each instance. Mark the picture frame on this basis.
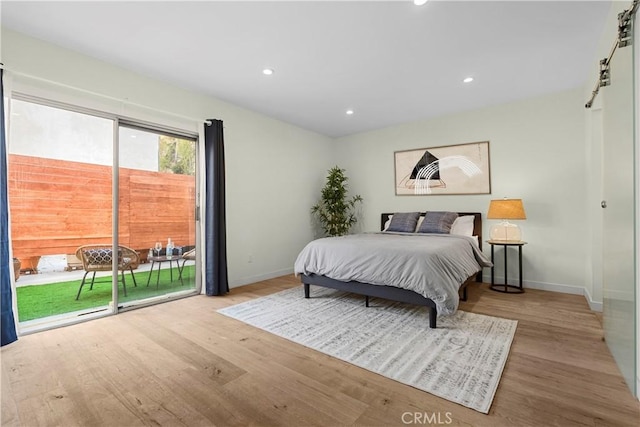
(443, 170)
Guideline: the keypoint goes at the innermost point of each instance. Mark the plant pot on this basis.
(16, 267)
(73, 263)
(143, 254)
(30, 265)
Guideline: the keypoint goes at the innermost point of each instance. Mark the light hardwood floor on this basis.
(181, 363)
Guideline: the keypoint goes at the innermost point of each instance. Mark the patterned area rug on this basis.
(461, 361)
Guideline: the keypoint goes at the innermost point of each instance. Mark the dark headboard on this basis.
(477, 223)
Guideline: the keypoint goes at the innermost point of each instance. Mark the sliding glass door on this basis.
(157, 199)
(60, 198)
(70, 170)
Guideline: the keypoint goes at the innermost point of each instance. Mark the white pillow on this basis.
(463, 225)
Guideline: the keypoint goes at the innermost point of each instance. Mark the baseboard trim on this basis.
(593, 305)
(260, 277)
(543, 286)
(552, 287)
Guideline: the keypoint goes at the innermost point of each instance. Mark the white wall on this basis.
(593, 210)
(536, 153)
(274, 170)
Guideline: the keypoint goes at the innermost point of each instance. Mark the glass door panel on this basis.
(60, 197)
(157, 198)
(619, 299)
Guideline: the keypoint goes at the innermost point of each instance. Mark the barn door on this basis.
(619, 216)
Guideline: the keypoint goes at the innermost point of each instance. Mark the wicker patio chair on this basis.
(187, 256)
(99, 258)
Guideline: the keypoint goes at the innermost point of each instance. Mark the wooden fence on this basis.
(58, 205)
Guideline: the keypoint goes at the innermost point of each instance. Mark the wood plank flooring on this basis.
(183, 364)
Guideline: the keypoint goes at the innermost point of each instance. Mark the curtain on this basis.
(216, 282)
(7, 323)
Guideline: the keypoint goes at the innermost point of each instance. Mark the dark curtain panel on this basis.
(7, 323)
(216, 282)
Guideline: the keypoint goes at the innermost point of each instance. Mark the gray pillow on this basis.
(437, 222)
(404, 222)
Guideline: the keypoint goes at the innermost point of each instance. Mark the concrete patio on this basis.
(55, 273)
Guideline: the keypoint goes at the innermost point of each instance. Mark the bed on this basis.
(344, 262)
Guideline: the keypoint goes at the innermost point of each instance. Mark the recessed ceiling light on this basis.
(419, 2)
(267, 71)
(349, 112)
(468, 80)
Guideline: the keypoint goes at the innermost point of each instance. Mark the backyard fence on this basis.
(58, 205)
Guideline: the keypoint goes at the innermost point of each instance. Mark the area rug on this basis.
(461, 360)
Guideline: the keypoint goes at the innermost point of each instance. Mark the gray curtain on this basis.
(216, 282)
(7, 323)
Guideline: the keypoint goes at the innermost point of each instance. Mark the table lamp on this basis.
(505, 210)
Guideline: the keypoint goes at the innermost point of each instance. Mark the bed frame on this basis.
(390, 292)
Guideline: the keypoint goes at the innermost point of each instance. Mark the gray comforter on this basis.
(433, 265)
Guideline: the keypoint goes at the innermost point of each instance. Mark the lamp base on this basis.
(506, 232)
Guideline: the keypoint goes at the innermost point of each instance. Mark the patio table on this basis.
(160, 260)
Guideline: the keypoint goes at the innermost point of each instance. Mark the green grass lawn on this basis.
(38, 301)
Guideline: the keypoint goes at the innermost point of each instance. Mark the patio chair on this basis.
(99, 258)
(187, 256)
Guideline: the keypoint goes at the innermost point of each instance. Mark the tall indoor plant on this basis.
(335, 211)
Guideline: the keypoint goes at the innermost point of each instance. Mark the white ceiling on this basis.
(389, 61)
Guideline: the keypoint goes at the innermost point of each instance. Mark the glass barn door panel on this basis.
(619, 299)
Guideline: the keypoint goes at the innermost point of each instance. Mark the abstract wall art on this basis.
(450, 169)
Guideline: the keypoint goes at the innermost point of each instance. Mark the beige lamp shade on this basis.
(505, 210)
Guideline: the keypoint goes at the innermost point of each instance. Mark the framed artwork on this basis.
(451, 169)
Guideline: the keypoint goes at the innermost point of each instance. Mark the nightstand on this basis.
(509, 289)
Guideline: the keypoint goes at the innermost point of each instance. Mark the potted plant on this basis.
(335, 211)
